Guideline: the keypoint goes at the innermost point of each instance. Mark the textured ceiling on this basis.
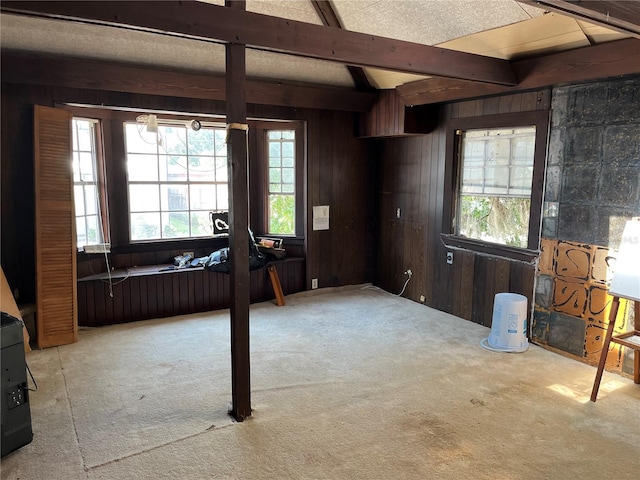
(500, 28)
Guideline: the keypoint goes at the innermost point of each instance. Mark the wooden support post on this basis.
(238, 225)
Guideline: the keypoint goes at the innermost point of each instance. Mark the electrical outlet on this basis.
(314, 283)
(398, 212)
(450, 258)
(408, 272)
(422, 298)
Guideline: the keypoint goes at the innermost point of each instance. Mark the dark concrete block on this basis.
(583, 146)
(586, 104)
(552, 184)
(621, 146)
(619, 187)
(577, 223)
(544, 291)
(540, 327)
(567, 333)
(623, 103)
(579, 183)
(555, 150)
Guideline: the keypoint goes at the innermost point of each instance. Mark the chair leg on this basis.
(636, 353)
(605, 347)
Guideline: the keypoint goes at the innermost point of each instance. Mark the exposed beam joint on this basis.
(585, 64)
(328, 16)
(208, 22)
(622, 16)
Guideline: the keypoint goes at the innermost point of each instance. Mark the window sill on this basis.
(487, 248)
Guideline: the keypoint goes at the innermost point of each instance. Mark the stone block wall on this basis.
(592, 189)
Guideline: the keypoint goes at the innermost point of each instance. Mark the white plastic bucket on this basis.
(508, 324)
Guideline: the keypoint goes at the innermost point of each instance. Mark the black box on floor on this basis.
(14, 393)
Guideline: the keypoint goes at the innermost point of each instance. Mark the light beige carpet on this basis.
(349, 383)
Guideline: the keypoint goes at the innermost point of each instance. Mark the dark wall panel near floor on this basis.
(412, 179)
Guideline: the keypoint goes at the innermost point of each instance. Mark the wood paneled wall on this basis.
(175, 293)
(339, 173)
(412, 179)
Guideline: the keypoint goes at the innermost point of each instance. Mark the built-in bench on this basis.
(155, 291)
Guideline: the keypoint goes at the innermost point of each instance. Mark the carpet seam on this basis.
(73, 418)
(151, 449)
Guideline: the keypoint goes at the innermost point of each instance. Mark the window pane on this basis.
(274, 149)
(288, 162)
(289, 134)
(142, 168)
(274, 175)
(91, 199)
(81, 231)
(84, 135)
(78, 199)
(203, 197)
(200, 224)
(145, 226)
(76, 166)
(174, 197)
(495, 219)
(173, 168)
(175, 225)
(139, 140)
(174, 139)
(282, 214)
(201, 142)
(274, 135)
(287, 149)
(86, 167)
(275, 162)
(92, 230)
(202, 169)
(222, 197)
(221, 169)
(288, 175)
(144, 198)
(221, 142)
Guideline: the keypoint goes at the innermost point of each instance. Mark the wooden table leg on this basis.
(275, 283)
(605, 347)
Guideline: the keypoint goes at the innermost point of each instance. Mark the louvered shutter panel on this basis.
(55, 228)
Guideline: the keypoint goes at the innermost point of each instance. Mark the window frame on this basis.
(537, 118)
(100, 173)
(259, 177)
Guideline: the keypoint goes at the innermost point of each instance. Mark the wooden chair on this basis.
(630, 339)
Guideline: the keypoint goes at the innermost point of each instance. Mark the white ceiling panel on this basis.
(429, 21)
(46, 36)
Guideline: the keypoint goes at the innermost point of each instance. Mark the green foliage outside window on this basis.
(282, 213)
(495, 219)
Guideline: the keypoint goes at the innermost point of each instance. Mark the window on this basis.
(495, 185)
(176, 176)
(87, 176)
(281, 145)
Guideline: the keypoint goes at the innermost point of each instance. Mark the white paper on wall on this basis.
(626, 273)
(321, 217)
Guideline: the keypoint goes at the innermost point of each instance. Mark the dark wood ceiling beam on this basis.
(117, 77)
(623, 16)
(328, 16)
(580, 65)
(215, 23)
